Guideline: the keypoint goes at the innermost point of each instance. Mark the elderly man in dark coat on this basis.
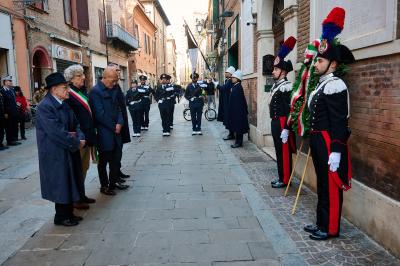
(238, 112)
(108, 118)
(223, 106)
(125, 135)
(58, 139)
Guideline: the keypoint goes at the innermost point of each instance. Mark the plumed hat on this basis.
(284, 50)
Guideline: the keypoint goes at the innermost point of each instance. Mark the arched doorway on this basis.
(278, 25)
(41, 66)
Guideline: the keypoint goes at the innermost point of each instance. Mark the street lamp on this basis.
(199, 25)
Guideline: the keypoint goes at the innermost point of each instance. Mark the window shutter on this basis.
(102, 27)
(82, 14)
(67, 12)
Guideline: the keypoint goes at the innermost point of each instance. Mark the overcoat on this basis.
(237, 120)
(223, 107)
(58, 150)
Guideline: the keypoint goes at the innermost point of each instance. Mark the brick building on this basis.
(372, 31)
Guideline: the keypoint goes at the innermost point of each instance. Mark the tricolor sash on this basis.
(81, 98)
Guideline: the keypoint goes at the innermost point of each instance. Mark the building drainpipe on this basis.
(105, 28)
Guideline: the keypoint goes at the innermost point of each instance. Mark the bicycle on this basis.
(210, 114)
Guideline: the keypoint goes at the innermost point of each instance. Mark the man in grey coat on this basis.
(58, 139)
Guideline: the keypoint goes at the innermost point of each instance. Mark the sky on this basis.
(177, 11)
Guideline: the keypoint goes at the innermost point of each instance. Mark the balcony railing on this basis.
(115, 31)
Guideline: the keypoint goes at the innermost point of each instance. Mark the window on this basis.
(76, 14)
(136, 31)
(145, 43)
(102, 26)
(42, 5)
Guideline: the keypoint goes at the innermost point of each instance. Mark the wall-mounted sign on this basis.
(67, 54)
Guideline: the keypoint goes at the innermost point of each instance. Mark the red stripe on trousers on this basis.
(285, 154)
(334, 204)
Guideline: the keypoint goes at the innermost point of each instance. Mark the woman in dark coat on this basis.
(237, 120)
(58, 139)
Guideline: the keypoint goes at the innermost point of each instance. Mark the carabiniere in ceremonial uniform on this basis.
(279, 109)
(329, 113)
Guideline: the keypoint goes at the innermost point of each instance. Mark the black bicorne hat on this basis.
(194, 75)
(142, 77)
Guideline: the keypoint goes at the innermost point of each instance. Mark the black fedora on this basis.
(54, 79)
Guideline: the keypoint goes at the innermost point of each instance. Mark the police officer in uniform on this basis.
(145, 90)
(329, 113)
(134, 102)
(172, 102)
(163, 95)
(193, 94)
(279, 109)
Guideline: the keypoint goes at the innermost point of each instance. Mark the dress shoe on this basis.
(3, 148)
(236, 145)
(23, 138)
(274, 181)
(14, 143)
(66, 222)
(278, 184)
(320, 235)
(107, 191)
(120, 180)
(119, 186)
(194, 133)
(81, 205)
(229, 137)
(311, 228)
(76, 218)
(199, 133)
(88, 200)
(122, 175)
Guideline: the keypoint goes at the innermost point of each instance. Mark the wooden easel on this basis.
(302, 177)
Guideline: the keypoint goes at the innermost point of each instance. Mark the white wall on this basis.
(6, 42)
(247, 38)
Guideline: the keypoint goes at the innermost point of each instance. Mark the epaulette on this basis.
(335, 85)
(286, 86)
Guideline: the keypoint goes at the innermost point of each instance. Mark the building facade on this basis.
(14, 59)
(143, 61)
(373, 202)
(171, 58)
(159, 18)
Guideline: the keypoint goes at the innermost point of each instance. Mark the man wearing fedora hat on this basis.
(59, 139)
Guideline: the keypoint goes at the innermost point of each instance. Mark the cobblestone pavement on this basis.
(193, 201)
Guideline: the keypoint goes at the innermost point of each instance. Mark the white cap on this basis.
(7, 78)
(230, 69)
(238, 74)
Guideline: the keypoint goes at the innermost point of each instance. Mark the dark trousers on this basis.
(11, 127)
(239, 139)
(136, 115)
(282, 151)
(195, 114)
(165, 119)
(2, 124)
(171, 114)
(231, 133)
(21, 123)
(113, 159)
(63, 211)
(330, 196)
(145, 118)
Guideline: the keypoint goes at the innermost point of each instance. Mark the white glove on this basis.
(215, 83)
(334, 161)
(284, 135)
(160, 101)
(192, 99)
(131, 103)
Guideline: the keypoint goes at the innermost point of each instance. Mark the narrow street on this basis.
(193, 201)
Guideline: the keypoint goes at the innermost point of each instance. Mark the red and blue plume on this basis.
(287, 47)
(333, 24)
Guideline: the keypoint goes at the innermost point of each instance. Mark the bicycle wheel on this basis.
(210, 114)
(186, 115)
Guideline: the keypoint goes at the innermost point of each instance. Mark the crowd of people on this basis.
(14, 112)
